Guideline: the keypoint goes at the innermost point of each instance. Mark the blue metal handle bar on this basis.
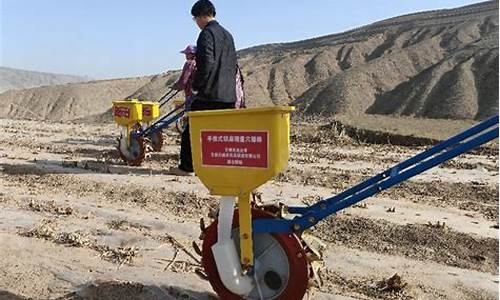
(313, 217)
(165, 96)
(162, 123)
(329, 207)
(165, 121)
(170, 98)
(403, 165)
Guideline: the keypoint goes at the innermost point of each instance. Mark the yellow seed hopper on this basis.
(236, 151)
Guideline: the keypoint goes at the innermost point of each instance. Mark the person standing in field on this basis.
(214, 82)
(185, 81)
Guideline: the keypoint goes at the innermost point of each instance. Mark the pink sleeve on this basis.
(240, 93)
(187, 72)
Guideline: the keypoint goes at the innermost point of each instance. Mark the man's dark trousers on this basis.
(186, 156)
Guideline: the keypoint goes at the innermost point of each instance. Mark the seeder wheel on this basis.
(156, 139)
(134, 153)
(281, 268)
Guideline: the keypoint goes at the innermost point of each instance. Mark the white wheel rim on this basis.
(272, 269)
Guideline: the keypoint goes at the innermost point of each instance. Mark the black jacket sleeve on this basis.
(205, 60)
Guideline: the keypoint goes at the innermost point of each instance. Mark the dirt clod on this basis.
(392, 284)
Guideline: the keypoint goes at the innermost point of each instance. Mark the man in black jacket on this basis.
(214, 81)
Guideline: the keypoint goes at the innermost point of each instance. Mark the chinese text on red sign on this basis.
(235, 148)
(122, 112)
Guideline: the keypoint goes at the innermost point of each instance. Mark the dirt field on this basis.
(78, 224)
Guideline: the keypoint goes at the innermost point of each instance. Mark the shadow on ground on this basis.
(104, 140)
(115, 290)
(42, 167)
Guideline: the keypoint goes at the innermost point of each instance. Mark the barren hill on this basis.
(441, 64)
(67, 102)
(438, 64)
(15, 79)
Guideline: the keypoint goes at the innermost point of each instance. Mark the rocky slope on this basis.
(438, 64)
(15, 79)
(67, 102)
(441, 64)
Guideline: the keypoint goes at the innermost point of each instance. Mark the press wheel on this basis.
(156, 139)
(281, 268)
(134, 153)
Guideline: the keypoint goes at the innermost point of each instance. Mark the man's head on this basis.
(203, 12)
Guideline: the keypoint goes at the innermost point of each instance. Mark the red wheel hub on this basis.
(296, 285)
(134, 154)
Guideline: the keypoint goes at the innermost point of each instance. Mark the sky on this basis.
(125, 38)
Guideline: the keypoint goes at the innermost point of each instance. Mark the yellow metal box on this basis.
(150, 111)
(127, 112)
(237, 150)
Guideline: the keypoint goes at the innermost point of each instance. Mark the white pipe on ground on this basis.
(225, 254)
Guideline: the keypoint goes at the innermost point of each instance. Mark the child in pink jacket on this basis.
(185, 81)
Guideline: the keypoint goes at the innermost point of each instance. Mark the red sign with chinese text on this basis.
(146, 111)
(122, 112)
(235, 148)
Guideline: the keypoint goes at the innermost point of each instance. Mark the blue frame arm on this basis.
(170, 98)
(162, 123)
(417, 164)
(403, 165)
